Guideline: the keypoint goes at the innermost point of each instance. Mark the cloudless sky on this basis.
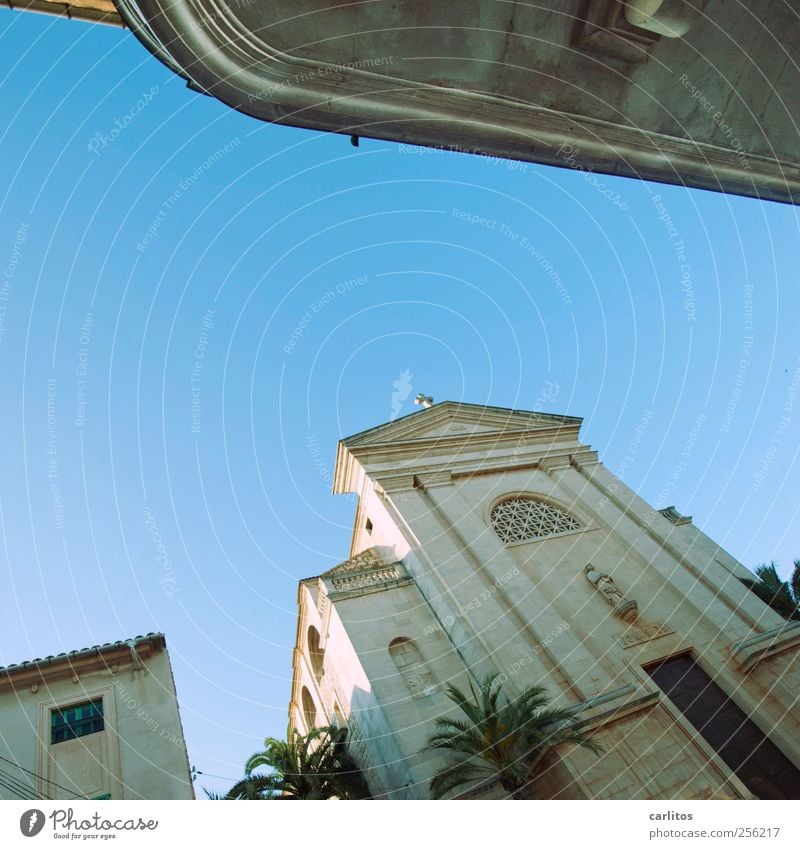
(312, 275)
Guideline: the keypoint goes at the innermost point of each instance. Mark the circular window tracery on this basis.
(520, 519)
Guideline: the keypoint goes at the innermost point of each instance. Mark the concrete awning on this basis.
(694, 92)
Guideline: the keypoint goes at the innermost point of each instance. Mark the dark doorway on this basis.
(759, 763)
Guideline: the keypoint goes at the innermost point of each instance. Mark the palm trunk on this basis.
(522, 791)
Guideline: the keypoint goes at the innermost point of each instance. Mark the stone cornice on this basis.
(412, 472)
(426, 480)
(459, 443)
(373, 583)
(451, 436)
(396, 483)
(422, 476)
(369, 571)
(375, 557)
(458, 417)
(597, 715)
(747, 653)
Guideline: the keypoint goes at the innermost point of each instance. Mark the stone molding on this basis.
(748, 653)
(429, 479)
(393, 454)
(592, 719)
(674, 516)
(371, 570)
(636, 635)
(422, 476)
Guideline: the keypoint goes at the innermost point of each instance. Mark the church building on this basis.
(489, 540)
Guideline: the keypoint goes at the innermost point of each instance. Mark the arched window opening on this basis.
(411, 665)
(522, 519)
(309, 709)
(315, 654)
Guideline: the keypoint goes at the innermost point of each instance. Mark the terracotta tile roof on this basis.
(39, 662)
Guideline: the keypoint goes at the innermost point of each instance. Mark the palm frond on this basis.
(316, 765)
(780, 595)
(500, 738)
(256, 787)
(455, 776)
(794, 583)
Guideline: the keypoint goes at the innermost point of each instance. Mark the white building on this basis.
(492, 540)
(97, 723)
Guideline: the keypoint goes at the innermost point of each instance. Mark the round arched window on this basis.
(309, 709)
(519, 519)
(315, 653)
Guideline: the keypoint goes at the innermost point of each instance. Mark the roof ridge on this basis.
(53, 658)
(434, 408)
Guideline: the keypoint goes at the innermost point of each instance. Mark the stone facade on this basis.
(129, 746)
(575, 583)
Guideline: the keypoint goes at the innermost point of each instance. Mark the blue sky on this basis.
(311, 275)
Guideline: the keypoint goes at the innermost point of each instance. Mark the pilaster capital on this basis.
(426, 480)
(396, 483)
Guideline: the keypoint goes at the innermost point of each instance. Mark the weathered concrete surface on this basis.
(564, 83)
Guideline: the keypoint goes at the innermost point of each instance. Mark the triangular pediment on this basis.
(377, 557)
(457, 420)
(372, 570)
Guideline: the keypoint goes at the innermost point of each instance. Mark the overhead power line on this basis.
(24, 791)
(45, 780)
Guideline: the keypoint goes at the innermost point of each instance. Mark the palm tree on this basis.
(316, 765)
(500, 738)
(782, 596)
